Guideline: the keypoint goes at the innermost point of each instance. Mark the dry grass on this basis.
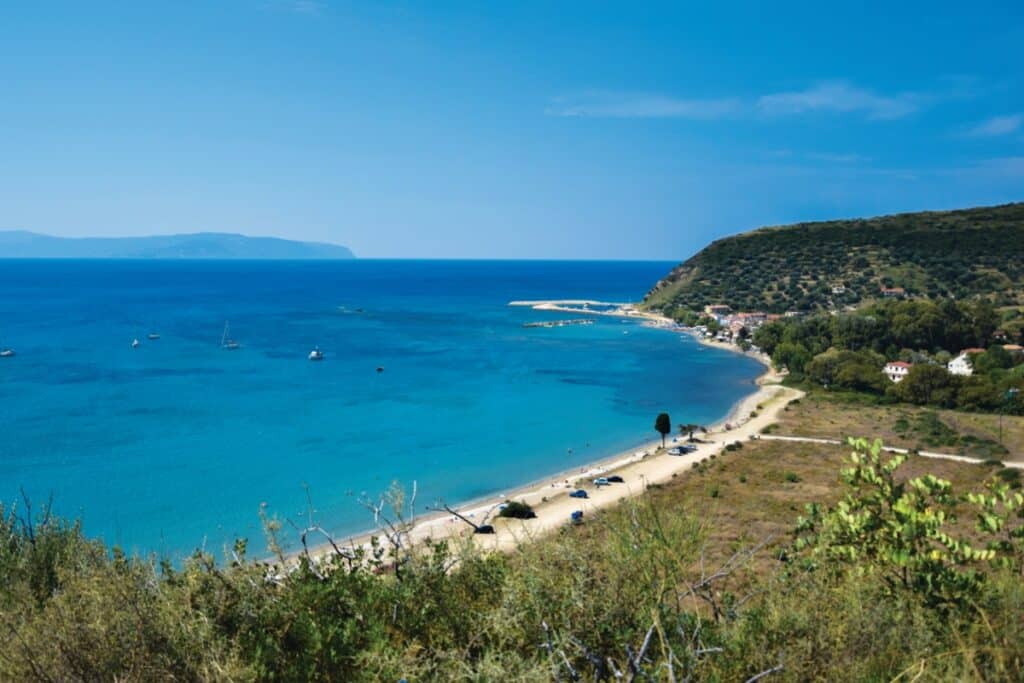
(823, 416)
(758, 492)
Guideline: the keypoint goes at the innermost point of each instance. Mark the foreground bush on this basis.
(882, 584)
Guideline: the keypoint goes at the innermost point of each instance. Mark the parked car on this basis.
(615, 479)
(601, 481)
(576, 517)
(579, 493)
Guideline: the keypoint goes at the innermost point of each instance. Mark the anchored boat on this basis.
(226, 342)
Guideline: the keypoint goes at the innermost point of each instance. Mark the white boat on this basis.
(135, 343)
(226, 342)
(7, 353)
(316, 354)
(153, 335)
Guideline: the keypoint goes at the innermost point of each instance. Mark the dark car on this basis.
(615, 479)
(579, 493)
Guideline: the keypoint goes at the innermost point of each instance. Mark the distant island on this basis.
(833, 265)
(201, 245)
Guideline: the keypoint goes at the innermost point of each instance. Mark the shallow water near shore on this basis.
(176, 443)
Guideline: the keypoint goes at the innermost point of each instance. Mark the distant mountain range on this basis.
(964, 254)
(201, 245)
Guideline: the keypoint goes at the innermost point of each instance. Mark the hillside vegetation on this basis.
(963, 254)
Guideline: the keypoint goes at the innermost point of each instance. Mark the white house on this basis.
(961, 365)
(896, 370)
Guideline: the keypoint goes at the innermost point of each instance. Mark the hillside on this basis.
(965, 253)
(203, 245)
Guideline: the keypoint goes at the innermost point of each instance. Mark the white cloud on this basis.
(601, 104)
(840, 97)
(997, 125)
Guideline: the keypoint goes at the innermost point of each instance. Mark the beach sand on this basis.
(549, 497)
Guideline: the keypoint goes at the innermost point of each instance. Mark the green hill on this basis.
(964, 254)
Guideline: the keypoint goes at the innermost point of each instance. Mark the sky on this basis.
(633, 130)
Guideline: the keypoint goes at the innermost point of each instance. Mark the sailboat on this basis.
(316, 354)
(226, 342)
(135, 343)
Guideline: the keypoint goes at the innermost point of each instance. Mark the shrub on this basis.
(517, 509)
(1010, 476)
(898, 531)
(791, 477)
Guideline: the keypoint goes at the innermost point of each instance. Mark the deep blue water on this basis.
(177, 443)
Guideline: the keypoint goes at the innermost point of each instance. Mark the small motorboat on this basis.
(316, 354)
(7, 353)
(380, 368)
(153, 335)
(135, 343)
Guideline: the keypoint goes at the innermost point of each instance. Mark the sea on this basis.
(429, 377)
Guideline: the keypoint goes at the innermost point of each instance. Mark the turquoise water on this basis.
(177, 443)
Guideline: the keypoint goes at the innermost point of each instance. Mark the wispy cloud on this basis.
(621, 105)
(839, 97)
(997, 125)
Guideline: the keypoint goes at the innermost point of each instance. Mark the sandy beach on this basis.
(639, 467)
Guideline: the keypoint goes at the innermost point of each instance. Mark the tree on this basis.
(996, 358)
(861, 375)
(978, 393)
(689, 428)
(927, 385)
(663, 425)
(984, 321)
(791, 356)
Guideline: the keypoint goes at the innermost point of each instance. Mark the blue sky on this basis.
(513, 130)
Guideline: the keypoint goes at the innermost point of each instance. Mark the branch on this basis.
(767, 672)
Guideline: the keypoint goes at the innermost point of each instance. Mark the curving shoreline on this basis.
(549, 495)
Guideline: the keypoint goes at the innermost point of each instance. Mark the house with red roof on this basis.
(896, 370)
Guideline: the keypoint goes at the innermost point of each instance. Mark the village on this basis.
(721, 324)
